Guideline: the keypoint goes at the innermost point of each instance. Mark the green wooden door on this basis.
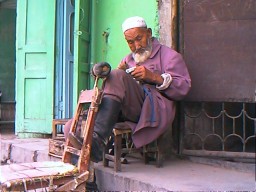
(34, 67)
(81, 47)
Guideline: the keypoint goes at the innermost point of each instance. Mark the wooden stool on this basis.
(119, 131)
(56, 122)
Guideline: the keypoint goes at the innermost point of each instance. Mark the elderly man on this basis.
(143, 90)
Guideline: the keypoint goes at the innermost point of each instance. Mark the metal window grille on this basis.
(224, 130)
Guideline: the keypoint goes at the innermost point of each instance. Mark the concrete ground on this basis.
(193, 174)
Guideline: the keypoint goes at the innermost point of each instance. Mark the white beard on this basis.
(141, 57)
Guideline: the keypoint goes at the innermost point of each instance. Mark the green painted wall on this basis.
(107, 18)
(7, 53)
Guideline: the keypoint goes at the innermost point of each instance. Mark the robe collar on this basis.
(155, 47)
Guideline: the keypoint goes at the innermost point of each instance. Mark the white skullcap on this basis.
(133, 22)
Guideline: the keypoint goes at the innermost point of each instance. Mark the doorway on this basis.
(7, 64)
(64, 68)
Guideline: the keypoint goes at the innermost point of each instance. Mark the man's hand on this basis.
(142, 74)
(122, 66)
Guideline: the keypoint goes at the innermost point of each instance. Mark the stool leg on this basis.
(105, 160)
(159, 159)
(159, 154)
(54, 130)
(145, 155)
(117, 152)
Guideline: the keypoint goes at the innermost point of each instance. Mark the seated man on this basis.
(144, 95)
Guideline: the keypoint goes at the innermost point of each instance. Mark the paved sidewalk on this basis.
(176, 175)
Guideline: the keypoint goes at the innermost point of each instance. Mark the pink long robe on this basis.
(158, 110)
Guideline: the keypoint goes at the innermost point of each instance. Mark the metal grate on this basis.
(219, 129)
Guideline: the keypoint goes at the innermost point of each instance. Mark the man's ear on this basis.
(149, 32)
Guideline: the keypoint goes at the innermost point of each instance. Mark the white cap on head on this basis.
(133, 22)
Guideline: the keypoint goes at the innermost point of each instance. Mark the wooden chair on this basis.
(61, 176)
(57, 176)
(121, 132)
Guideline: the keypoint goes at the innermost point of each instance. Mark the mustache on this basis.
(140, 50)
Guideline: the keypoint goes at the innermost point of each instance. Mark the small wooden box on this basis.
(56, 147)
(57, 143)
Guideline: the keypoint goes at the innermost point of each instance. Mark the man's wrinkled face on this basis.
(140, 43)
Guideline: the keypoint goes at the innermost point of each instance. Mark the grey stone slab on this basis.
(176, 175)
(26, 150)
(21, 154)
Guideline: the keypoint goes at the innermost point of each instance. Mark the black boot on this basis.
(91, 186)
(105, 120)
